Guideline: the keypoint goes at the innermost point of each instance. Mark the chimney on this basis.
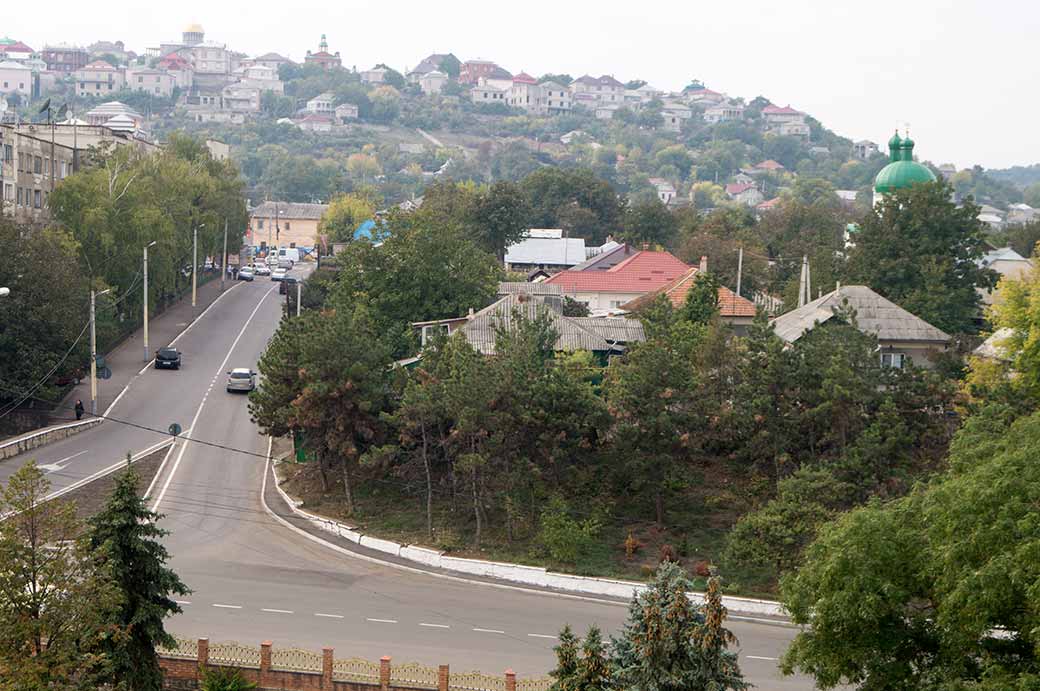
(469, 315)
(704, 264)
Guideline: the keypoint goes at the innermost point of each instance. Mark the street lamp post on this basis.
(195, 267)
(146, 351)
(224, 259)
(93, 353)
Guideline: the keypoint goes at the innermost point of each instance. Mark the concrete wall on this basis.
(514, 573)
(19, 445)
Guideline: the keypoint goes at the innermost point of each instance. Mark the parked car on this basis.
(241, 379)
(70, 378)
(245, 274)
(167, 358)
(261, 270)
(279, 274)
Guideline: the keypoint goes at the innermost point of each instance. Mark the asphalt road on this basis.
(254, 580)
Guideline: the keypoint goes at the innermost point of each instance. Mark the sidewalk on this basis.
(127, 359)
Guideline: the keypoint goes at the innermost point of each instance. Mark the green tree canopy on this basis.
(920, 250)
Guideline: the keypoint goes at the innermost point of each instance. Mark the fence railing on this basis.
(269, 662)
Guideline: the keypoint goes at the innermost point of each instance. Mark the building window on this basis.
(893, 360)
(37, 165)
(19, 196)
(287, 225)
(36, 199)
(260, 224)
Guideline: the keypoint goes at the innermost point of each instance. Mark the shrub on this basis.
(565, 538)
(224, 679)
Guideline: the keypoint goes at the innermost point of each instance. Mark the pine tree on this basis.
(661, 647)
(720, 669)
(594, 668)
(566, 672)
(126, 539)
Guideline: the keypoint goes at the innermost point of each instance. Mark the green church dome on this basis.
(902, 170)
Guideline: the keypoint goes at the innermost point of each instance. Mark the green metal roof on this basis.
(902, 171)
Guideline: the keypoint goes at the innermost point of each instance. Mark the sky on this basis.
(961, 73)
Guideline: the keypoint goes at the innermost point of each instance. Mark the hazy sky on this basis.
(963, 73)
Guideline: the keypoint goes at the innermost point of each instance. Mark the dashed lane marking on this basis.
(329, 616)
(182, 602)
(489, 631)
(228, 606)
(434, 626)
(382, 621)
(277, 611)
(759, 657)
(541, 635)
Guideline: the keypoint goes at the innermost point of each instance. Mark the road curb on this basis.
(543, 581)
(42, 437)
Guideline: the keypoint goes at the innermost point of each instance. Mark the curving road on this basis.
(254, 579)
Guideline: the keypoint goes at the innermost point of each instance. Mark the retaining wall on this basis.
(33, 440)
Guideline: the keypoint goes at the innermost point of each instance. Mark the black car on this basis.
(167, 358)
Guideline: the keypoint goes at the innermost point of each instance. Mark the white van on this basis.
(287, 256)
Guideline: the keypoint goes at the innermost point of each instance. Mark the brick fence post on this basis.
(510, 680)
(384, 672)
(326, 667)
(265, 662)
(203, 654)
(442, 678)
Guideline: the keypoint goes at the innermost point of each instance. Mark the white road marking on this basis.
(759, 657)
(105, 471)
(277, 611)
(382, 621)
(57, 465)
(158, 474)
(330, 616)
(541, 635)
(182, 602)
(228, 606)
(434, 626)
(223, 366)
(489, 631)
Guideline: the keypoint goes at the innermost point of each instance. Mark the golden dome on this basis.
(194, 29)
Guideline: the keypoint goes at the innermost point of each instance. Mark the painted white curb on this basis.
(514, 573)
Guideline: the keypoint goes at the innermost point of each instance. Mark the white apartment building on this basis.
(155, 82)
(98, 79)
(15, 78)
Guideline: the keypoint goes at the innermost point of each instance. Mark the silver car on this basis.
(241, 379)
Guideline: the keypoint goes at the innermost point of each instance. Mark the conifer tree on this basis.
(594, 668)
(126, 540)
(566, 672)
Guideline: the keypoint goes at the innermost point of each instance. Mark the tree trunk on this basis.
(429, 480)
(476, 509)
(321, 473)
(348, 495)
(659, 507)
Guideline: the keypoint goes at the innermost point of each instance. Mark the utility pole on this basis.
(740, 266)
(93, 352)
(299, 296)
(801, 281)
(195, 267)
(146, 351)
(224, 262)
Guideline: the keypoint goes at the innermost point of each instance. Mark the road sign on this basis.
(100, 360)
(104, 373)
(175, 429)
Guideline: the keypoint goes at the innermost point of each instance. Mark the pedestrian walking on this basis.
(79, 409)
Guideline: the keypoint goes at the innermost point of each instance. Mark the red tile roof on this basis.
(769, 204)
(16, 47)
(735, 188)
(730, 304)
(643, 272)
(774, 110)
(769, 165)
(524, 78)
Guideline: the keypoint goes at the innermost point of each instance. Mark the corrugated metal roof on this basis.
(874, 315)
(515, 287)
(289, 210)
(548, 251)
(641, 272)
(574, 333)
